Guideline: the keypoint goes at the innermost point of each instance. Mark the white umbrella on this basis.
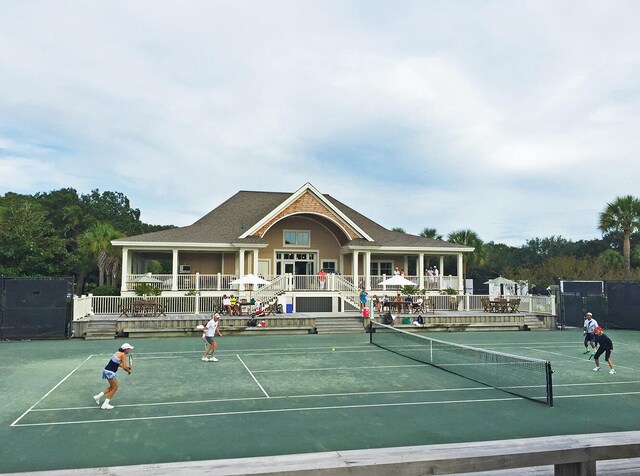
(249, 279)
(397, 280)
(500, 280)
(147, 278)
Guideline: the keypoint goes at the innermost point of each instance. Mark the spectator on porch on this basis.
(363, 299)
(322, 277)
(376, 303)
(226, 304)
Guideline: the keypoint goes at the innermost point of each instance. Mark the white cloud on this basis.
(512, 119)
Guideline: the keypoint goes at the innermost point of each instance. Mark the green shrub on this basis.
(147, 289)
(105, 291)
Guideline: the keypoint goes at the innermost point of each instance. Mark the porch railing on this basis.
(222, 282)
(199, 304)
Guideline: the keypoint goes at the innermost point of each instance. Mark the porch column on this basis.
(460, 276)
(440, 272)
(354, 269)
(421, 271)
(241, 270)
(367, 270)
(254, 268)
(126, 266)
(174, 271)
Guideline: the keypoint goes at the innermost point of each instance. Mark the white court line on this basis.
(280, 397)
(597, 395)
(253, 376)
(574, 358)
(276, 410)
(49, 392)
(253, 349)
(323, 369)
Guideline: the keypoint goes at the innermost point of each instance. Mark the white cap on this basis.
(126, 346)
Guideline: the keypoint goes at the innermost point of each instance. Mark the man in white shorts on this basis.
(590, 325)
(209, 336)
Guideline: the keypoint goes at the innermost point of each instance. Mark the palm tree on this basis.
(622, 216)
(430, 233)
(97, 242)
(470, 238)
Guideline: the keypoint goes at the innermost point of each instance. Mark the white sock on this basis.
(100, 395)
(106, 401)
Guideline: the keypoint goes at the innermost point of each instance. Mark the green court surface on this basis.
(272, 395)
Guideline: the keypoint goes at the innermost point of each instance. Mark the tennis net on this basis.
(521, 376)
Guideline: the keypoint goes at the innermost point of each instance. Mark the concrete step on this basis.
(339, 325)
(534, 323)
(101, 330)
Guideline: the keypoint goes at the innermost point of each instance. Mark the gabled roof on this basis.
(246, 210)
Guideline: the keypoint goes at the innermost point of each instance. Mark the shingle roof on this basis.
(226, 223)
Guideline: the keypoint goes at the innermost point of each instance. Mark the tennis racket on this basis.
(590, 355)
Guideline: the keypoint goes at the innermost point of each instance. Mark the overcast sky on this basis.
(515, 119)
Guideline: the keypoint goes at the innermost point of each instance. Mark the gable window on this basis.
(296, 238)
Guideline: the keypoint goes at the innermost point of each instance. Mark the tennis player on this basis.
(590, 325)
(604, 346)
(209, 335)
(119, 359)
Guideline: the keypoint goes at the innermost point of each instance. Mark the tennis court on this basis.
(271, 395)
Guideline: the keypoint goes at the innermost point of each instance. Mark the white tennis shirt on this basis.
(210, 328)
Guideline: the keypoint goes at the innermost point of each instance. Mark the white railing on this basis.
(222, 282)
(198, 304)
(270, 292)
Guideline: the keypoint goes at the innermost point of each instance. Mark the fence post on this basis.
(196, 306)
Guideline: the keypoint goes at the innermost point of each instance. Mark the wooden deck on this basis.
(170, 325)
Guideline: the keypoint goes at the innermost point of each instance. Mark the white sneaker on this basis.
(213, 359)
(205, 359)
(612, 371)
(597, 369)
(96, 398)
(106, 406)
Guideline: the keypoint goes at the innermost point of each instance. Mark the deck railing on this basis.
(197, 303)
(222, 282)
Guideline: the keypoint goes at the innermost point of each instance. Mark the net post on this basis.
(549, 373)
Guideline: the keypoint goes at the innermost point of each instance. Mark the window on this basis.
(329, 266)
(378, 268)
(296, 238)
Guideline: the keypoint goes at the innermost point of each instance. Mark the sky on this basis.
(514, 119)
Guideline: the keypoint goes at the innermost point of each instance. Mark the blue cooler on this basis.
(289, 308)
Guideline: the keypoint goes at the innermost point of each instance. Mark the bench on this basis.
(567, 455)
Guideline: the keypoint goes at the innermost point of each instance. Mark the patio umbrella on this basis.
(397, 280)
(500, 280)
(249, 279)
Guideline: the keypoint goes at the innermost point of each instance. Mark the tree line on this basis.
(546, 261)
(62, 233)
